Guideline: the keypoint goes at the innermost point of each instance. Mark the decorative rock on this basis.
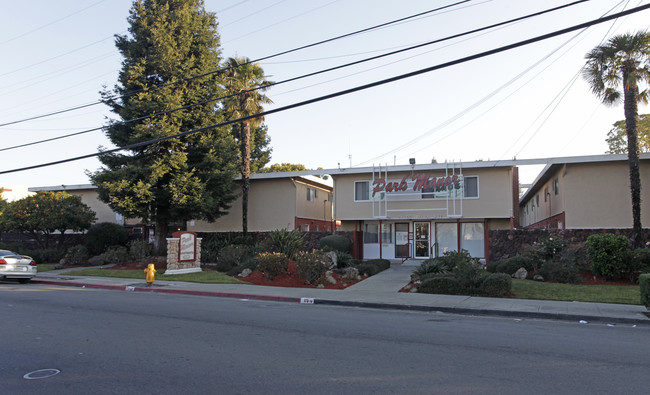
(520, 274)
(538, 277)
(332, 256)
(245, 273)
(329, 278)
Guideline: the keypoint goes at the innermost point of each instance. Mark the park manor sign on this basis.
(426, 185)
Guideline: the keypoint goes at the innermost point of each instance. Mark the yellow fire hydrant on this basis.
(151, 272)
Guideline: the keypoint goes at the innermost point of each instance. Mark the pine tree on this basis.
(178, 179)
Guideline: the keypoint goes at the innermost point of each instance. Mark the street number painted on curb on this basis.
(130, 288)
(307, 300)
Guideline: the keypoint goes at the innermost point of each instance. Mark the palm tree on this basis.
(623, 63)
(245, 83)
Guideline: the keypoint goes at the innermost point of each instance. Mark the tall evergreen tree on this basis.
(180, 178)
(245, 83)
(623, 63)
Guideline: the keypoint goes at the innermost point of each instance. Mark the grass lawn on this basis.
(527, 289)
(206, 276)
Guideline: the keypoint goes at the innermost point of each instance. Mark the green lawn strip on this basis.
(527, 289)
(206, 276)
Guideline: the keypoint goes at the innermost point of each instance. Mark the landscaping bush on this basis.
(367, 269)
(139, 250)
(432, 265)
(118, 255)
(383, 264)
(105, 234)
(336, 243)
(511, 265)
(560, 272)
(644, 284)
(470, 274)
(608, 254)
(312, 266)
(343, 259)
(232, 256)
(76, 255)
(441, 284)
(640, 260)
(287, 242)
(272, 264)
(496, 285)
(50, 255)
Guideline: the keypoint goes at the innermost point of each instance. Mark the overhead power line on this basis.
(128, 94)
(307, 75)
(348, 91)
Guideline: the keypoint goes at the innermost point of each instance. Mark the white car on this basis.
(16, 266)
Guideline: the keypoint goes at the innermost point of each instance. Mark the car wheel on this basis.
(23, 280)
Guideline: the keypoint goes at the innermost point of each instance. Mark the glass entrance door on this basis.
(422, 239)
(402, 245)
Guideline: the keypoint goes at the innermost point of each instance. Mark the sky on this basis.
(528, 102)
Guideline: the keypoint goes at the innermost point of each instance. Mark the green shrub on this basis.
(336, 243)
(367, 269)
(496, 285)
(470, 274)
(50, 255)
(343, 259)
(118, 255)
(312, 266)
(511, 265)
(608, 254)
(232, 256)
(272, 264)
(76, 255)
(441, 284)
(383, 264)
(287, 242)
(644, 284)
(640, 260)
(432, 265)
(139, 250)
(105, 234)
(560, 272)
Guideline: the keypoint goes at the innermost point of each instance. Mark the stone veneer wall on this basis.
(173, 244)
(508, 243)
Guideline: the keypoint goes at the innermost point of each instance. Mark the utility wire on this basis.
(306, 75)
(243, 64)
(347, 91)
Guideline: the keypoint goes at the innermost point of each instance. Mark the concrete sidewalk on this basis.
(378, 291)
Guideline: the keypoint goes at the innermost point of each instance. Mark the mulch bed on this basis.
(292, 280)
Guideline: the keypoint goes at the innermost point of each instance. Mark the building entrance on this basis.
(422, 239)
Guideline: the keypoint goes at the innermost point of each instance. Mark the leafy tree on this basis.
(180, 178)
(623, 63)
(281, 167)
(245, 83)
(44, 213)
(617, 137)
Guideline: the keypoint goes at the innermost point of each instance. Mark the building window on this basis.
(387, 233)
(361, 191)
(371, 234)
(556, 185)
(537, 200)
(310, 195)
(546, 194)
(472, 239)
(447, 237)
(470, 187)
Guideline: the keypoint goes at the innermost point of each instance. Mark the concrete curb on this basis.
(369, 305)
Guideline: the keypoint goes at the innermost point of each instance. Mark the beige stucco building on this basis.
(276, 201)
(587, 192)
(421, 211)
